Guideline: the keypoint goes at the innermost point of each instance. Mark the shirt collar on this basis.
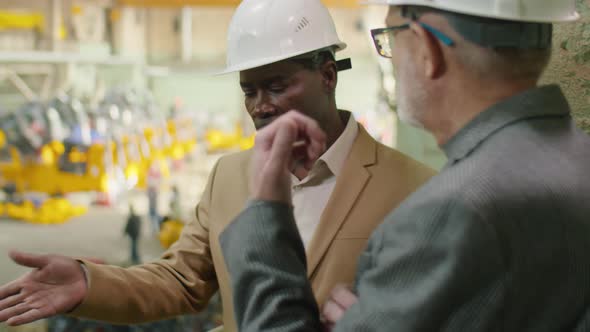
(336, 155)
(538, 102)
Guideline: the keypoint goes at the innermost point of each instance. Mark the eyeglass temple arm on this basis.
(441, 36)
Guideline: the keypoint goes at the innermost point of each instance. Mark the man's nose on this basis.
(263, 104)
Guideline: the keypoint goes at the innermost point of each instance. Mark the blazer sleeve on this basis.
(182, 281)
(266, 261)
(425, 273)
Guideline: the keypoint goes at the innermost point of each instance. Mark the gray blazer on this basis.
(498, 241)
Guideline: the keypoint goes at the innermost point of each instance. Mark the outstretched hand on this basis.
(56, 285)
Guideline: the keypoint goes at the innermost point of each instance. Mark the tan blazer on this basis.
(374, 180)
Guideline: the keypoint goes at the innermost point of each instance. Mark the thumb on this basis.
(28, 260)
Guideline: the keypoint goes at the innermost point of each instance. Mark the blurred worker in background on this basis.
(153, 193)
(133, 230)
(284, 51)
(175, 206)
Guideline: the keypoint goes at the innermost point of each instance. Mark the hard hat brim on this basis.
(574, 16)
(267, 61)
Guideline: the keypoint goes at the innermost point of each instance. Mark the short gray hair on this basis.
(504, 63)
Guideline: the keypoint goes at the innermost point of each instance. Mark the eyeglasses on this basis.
(383, 38)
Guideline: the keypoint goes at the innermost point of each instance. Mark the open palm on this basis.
(56, 285)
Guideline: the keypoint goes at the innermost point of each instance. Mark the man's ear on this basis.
(428, 52)
(329, 73)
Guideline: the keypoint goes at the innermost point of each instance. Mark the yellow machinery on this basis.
(34, 155)
(11, 168)
(157, 155)
(60, 148)
(52, 211)
(170, 232)
(18, 20)
(218, 140)
(140, 139)
(135, 170)
(44, 175)
(40, 176)
(184, 137)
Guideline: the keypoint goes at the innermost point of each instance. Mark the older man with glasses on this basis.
(498, 241)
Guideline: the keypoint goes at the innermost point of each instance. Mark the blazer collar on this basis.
(538, 102)
(349, 185)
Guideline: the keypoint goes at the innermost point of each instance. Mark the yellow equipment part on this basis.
(177, 151)
(13, 171)
(48, 178)
(158, 152)
(53, 211)
(220, 141)
(184, 138)
(48, 155)
(76, 156)
(57, 147)
(247, 143)
(135, 170)
(20, 20)
(170, 233)
(2, 139)
(24, 211)
(43, 174)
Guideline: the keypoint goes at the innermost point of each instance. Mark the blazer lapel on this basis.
(349, 185)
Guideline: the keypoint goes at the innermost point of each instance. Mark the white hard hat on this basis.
(540, 11)
(268, 31)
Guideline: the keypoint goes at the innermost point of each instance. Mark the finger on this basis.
(27, 317)
(310, 132)
(343, 296)
(313, 134)
(16, 310)
(265, 137)
(10, 289)
(28, 260)
(308, 129)
(332, 311)
(11, 301)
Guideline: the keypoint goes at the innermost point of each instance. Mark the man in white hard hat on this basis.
(284, 51)
(498, 241)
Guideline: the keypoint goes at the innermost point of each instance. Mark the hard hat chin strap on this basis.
(344, 64)
(492, 33)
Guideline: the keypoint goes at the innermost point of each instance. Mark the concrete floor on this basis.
(100, 232)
